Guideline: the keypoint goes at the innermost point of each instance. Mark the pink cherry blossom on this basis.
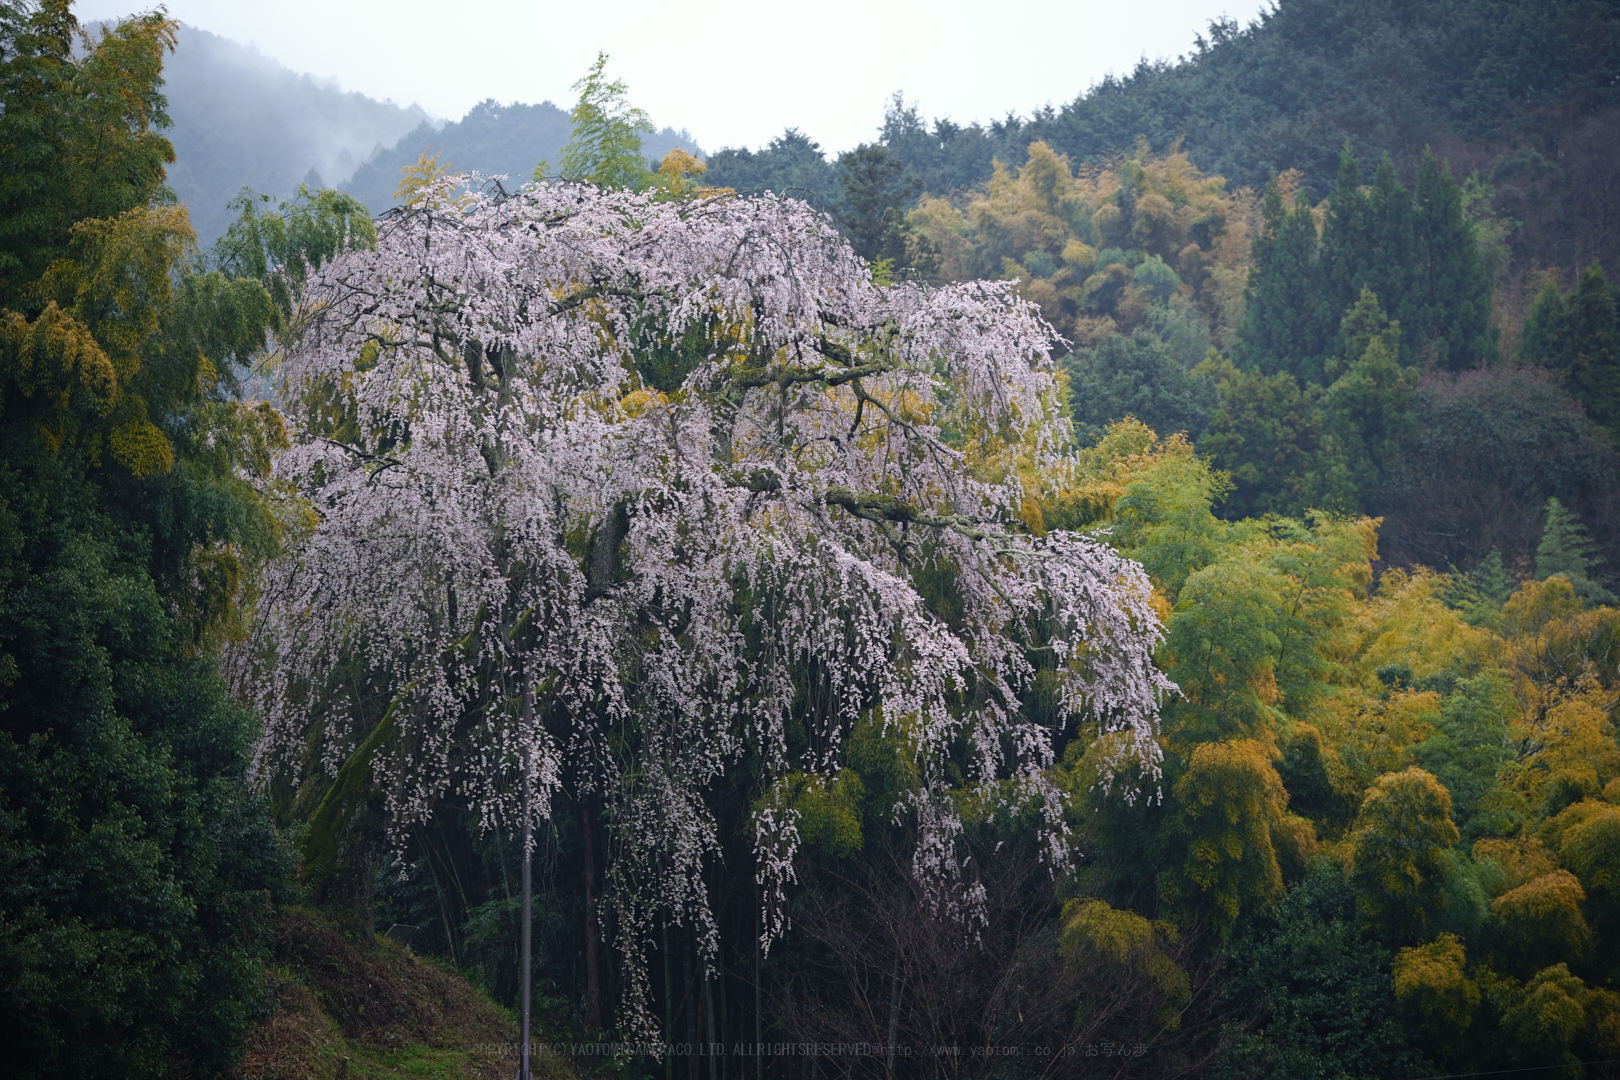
(548, 562)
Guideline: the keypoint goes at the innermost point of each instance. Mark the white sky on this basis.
(732, 73)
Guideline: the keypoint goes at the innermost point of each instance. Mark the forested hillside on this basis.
(241, 120)
(1523, 94)
(492, 140)
(1125, 591)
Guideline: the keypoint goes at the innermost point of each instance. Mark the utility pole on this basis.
(524, 1072)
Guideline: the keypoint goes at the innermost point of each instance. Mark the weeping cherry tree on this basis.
(598, 481)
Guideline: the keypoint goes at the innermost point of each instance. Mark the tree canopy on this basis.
(607, 483)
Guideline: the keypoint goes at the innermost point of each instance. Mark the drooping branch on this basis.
(662, 566)
(887, 508)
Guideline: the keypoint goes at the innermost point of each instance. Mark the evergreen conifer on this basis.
(1449, 310)
(1478, 595)
(1594, 341)
(1345, 238)
(1544, 337)
(1578, 336)
(1283, 327)
(1389, 254)
(1369, 405)
(1490, 577)
(1567, 550)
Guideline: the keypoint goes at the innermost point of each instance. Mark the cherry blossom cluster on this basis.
(598, 484)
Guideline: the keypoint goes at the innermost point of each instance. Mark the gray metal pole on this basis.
(524, 1072)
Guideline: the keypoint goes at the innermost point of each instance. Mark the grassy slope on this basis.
(351, 1008)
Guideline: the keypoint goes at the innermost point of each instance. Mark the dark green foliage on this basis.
(1479, 594)
(1594, 371)
(1138, 376)
(1415, 253)
(1286, 323)
(791, 164)
(1488, 448)
(1322, 992)
(876, 194)
(62, 161)
(1383, 259)
(1369, 406)
(1401, 861)
(139, 869)
(279, 247)
(139, 872)
(947, 157)
(1491, 579)
(1269, 434)
(1290, 89)
(1544, 337)
(1447, 312)
(1319, 787)
(1578, 337)
(1345, 234)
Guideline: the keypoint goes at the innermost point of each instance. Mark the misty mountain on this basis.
(243, 120)
(492, 139)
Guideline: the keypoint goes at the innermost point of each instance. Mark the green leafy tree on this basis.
(1097, 938)
(1480, 593)
(1431, 980)
(1400, 855)
(1228, 807)
(1348, 247)
(1416, 251)
(80, 134)
(1269, 435)
(791, 164)
(1590, 848)
(1223, 643)
(1540, 922)
(1544, 337)
(1102, 249)
(876, 194)
(1370, 404)
(1320, 990)
(1245, 639)
(1136, 376)
(1469, 745)
(280, 245)
(139, 870)
(1544, 1020)
(1385, 255)
(1491, 578)
(1594, 369)
(1488, 447)
(1162, 516)
(605, 146)
(135, 901)
(1320, 786)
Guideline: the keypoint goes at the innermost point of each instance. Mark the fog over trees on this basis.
(242, 119)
